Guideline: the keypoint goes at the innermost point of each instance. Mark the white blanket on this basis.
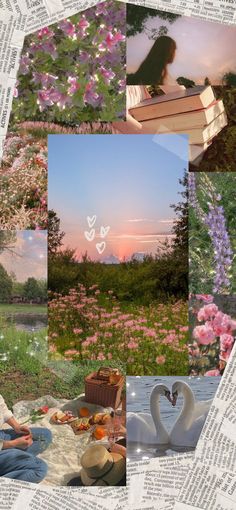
(63, 455)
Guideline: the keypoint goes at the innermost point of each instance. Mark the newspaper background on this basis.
(221, 11)
(176, 483)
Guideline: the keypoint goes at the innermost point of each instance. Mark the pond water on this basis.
(27, 322)
(138, 396)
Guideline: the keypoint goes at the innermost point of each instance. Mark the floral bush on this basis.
(213, 336)
(212, 232)
(23, 183)
(86, 324)
(74, 70)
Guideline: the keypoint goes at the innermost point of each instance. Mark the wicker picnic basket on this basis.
(104, 387)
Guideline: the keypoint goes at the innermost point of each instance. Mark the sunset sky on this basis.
(203, 48)
(128, 182)
(29, 257)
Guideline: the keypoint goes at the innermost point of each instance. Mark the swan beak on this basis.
(174, 400)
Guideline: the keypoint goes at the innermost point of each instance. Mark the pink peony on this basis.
(226, 341)
(207, 298)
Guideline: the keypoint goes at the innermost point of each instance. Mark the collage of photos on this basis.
(117, 253)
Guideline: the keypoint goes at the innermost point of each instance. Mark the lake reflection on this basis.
(138, 396)
(27, 322)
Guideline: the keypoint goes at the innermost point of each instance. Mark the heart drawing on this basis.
(90, 235)
(101, 247)
(91, 221)
(104, 231)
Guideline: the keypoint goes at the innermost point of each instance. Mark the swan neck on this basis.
(155, 412)
(188, 405)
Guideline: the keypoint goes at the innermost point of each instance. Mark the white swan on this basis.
(189, 424)
(148, 428)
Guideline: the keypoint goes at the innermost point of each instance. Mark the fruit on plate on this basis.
(99, 433)
(84, 412)
(80, 425)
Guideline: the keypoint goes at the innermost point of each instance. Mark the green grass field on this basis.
(24, 308)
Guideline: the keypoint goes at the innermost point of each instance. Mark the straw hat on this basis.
(100, 467)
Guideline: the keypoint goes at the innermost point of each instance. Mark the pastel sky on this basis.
(203, 48)
(128, 182)
(29, 257)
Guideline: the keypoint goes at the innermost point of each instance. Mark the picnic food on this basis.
(100, 418)
(61, 417)
(99, 433)
(84, 412)
(80, 425)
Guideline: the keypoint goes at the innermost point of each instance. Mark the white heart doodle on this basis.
(91, 221)
(104, 231)
(101, 247)
(90, 235)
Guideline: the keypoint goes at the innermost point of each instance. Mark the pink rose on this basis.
(204, 334)
(207, 298)
(215, 372)
(207, 312)
(226, 341)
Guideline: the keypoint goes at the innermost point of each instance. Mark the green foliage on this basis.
(54, 235)
(5, 285)
(186, 82)
(137, 17)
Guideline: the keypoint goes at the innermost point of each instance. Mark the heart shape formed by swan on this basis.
(90, 235)
(148, 428)
(104, 231)
(101, 247)
(91, 221)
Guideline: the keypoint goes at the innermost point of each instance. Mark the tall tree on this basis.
(55, 236)
(5, 285)
(31, 289)
(180, 226)
(7, 240)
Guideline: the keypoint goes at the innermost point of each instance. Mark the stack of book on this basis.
(194, 111)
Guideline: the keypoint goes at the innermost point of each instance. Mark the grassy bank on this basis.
(6, 308)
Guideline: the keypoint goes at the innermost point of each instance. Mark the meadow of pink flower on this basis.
(90, 325)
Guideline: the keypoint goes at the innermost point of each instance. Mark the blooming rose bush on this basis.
(74, 70)
(213, 337)
(23, 183)
(86, 324)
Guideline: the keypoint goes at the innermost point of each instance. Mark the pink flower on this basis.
(74, 85)
(226, 341)
(77, 331)
(207, 298)
(204, 334)
(67, 27)
(207, 312)
(160, 360)
(214, 372)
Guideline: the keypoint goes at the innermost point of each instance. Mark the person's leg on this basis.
(42, 438)
(21, 465)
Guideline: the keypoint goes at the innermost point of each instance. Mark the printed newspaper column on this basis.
(211, 483)
(222, 11)
(44, 13)
(11, 42)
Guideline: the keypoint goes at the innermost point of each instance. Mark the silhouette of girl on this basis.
(153, 69)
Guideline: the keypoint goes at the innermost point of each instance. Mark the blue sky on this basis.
(127, 181)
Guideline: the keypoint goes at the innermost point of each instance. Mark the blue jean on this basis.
(23, 464)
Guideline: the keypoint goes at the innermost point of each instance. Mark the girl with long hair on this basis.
(153, 69)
